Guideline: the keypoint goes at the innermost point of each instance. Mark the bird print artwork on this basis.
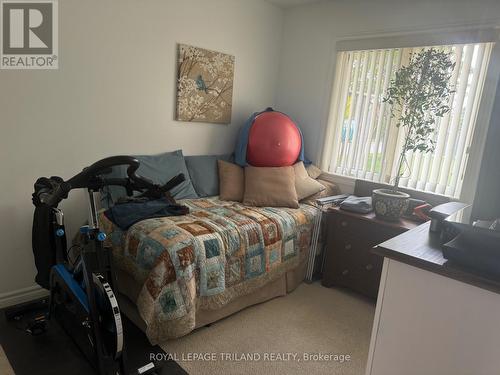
(200, 83)
(204, 85)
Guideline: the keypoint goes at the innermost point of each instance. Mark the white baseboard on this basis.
(22, 295)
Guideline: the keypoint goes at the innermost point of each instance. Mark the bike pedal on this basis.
(37, 326)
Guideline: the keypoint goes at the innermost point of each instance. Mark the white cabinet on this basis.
(428, 324)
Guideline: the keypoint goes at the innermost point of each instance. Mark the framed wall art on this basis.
(204, 85)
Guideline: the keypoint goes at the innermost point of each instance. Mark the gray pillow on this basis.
(204, 173)
(158, 168)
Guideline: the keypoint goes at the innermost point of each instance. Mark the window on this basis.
(366, 143)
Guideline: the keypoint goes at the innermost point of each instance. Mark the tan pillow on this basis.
(313, 171)
(330, 189)
(305, 185)
(231, 181)
(270, 187)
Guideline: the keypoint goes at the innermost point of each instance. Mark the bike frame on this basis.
(96, 260)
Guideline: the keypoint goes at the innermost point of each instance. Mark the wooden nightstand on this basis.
(349, 261)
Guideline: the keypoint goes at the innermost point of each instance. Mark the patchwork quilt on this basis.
(220, 251)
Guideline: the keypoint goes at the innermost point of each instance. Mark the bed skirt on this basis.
(129, 289)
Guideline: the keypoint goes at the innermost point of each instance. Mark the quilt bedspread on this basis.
(203, 260)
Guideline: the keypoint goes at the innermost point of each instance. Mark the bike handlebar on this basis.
(52, 191)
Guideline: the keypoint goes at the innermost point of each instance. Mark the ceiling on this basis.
(291, 3)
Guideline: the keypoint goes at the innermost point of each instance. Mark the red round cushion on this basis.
(274, 141)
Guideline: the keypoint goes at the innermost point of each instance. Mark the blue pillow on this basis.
(204, 173)
(158, 168)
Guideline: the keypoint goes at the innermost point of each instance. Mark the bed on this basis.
(181, 272)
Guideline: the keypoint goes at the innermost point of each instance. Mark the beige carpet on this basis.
(312, 319)
(5, 368)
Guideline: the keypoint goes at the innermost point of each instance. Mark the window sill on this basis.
(347, 185)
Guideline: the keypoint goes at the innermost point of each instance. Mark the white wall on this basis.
(311, 31)
(114, 93)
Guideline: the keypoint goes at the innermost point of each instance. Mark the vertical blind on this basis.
(366, 143)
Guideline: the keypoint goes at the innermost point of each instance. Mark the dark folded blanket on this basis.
(124, 215)
(361, 205)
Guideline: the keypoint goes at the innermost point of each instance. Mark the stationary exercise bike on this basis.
(81, 285)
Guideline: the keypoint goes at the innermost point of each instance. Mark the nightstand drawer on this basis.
(352, 264)
(349, 261)
(362, 277)
(368, 277)
(347, 224)
(372, 232)
(356, 247)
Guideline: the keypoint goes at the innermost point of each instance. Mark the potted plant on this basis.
(418, 95)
